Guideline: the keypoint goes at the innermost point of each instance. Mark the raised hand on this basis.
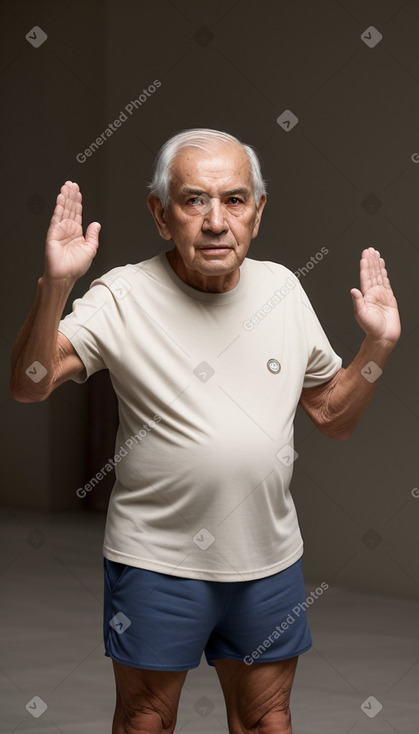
(375, 306)
(69, 254)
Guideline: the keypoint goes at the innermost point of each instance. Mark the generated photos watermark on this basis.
(132, 441)
(310, 264)
(129, 108)
(280, 293)
(279, 630)
(272, 302)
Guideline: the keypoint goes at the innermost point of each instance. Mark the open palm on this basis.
(375, 306)
(68, 254)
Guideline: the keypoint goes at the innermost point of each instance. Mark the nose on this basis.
(214, 219)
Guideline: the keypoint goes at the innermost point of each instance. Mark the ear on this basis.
(158, 213)
(259, 211)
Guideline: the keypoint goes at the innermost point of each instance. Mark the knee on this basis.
(276, 722)
(273, 716)
(142, 720)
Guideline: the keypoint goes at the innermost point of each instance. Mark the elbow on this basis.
(332, 428)
(16, 392)
(22, 395)
(339, 433)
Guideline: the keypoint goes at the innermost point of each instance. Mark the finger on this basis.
(68, 205)
(383, 274)
(65, 202)
(92, 235)
(72, 207)
(357, 296)
(357, 300)
(377, 270)
(364, 272)
(374, 269)
(57, 214)
(370, 269)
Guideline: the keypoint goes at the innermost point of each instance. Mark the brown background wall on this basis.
(343, 178)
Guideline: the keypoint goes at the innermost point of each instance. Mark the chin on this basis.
(227, 258)
(217, 267)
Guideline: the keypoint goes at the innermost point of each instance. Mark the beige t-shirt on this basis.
(208, 385)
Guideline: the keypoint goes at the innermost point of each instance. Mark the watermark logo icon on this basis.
(287, 455)
(371, 539)
(36, 203)
(36, 539)
(36, 707)
(120, 622)
(371, 371)
(203, 36)
(371, 203)
(36, 371)
(203, 539)
(203, 371)
(120, 287)
(287, 120)
(201, 204)
(371, 36)
(371, 706)
(203, 706)
(36, 36)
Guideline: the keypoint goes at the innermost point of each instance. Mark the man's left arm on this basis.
(336, 406)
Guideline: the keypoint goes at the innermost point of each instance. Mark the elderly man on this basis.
(209, 353)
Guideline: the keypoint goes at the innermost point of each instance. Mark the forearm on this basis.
(353, 389)
(37, 343)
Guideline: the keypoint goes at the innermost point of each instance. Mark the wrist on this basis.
(63, 285)
(380, 343)
(378, 349)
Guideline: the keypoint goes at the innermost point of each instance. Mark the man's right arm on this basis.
(40, 350)
(43, 357)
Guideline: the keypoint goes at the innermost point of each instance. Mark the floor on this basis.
(55, 677)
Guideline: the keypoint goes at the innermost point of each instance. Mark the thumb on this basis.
(92, 235)
(357, 299)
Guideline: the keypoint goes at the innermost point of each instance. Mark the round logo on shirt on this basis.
(273, 366)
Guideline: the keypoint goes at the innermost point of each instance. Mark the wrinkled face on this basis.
(212, 215)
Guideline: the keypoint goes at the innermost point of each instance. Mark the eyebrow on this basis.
(243, 190)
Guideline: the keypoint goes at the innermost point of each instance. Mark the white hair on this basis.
(207, 140)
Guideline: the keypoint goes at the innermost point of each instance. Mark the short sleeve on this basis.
(322, 362)
(96, 329)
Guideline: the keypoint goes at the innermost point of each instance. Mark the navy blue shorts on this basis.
(158, 621)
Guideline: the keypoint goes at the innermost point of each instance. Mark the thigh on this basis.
(155, 621)
(257, 696)
(264, 621)
(147, 699)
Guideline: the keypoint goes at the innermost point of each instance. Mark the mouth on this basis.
(216, 249)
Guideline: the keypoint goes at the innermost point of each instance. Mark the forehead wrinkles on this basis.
(192, 167)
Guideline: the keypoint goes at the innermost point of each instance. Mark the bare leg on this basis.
(257, 696)
(146, 700)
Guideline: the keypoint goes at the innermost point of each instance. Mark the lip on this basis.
(216, 250)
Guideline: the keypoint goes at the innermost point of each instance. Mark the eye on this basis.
(235, 200)
(195, 201)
